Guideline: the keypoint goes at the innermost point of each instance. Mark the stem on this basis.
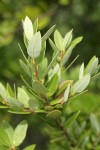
(65, 133)
(36, 71)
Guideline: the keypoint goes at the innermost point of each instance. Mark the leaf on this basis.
(25, 68)
(54, 114)
(39, 88)
(71, 118)
(81, 72)
(3, 91)
(56, 101)
(92, 66)
(69, 51)
(10, 91)
(53, 45)
(42, 54)
(35, 104)
(28, 28)
(25, 40)
(95, 124)
(6, 134)
(20, 133)
(51, 64)
(34, 47)
(23, 97)
(31, 147)
(81, 84)
(67, 39)
(58, 40)
(52, 85)
(14, 103)
(35, 25)
(62, 87)
(66, 93)
(47, 34)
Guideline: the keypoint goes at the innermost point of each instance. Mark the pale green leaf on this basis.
(31, 147)
(23, 97)
(47, 34)
(28, 28)
(14, 103)
(81, 72)
(67, 39)
(92, 66)
(66, 93)
(70, 49)
(58, 40)
(34, 47)
(81, 84)
(6, 134)
(35, 25)
(20, 133)
(53, 45)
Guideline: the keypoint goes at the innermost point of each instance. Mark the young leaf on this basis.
(95, 124)
(52, 85)
(53, 45)
(51, 64)
(66, 93)
(20, 133)
(71, 118)
(81, 84)
(23, 97)
(34, 47)
(81, 72)
(58, 40)
(69, 51)
(39, 88)
(35, 25)
(47, 34)
(31, 147)
(28, 28)
(6, 134)
(67, 39)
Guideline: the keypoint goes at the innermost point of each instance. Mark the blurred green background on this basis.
(81, 15)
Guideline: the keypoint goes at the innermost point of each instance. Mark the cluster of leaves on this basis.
(11, 138)
(46, 92)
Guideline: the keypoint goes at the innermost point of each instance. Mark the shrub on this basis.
(47, 91)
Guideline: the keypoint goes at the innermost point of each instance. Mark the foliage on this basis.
(46, 92)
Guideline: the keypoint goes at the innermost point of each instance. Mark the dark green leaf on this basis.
(71, 118)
